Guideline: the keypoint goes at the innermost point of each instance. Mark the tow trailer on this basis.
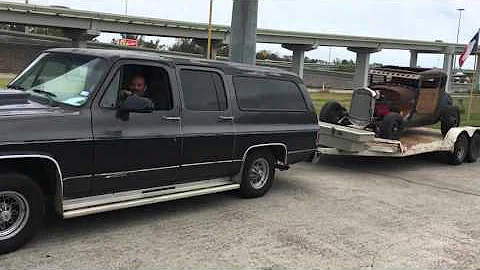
(462, 144)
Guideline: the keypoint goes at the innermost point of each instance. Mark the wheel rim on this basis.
(14, 213)
(462, 149)
(395, 129)
(453, 121)
(259, 173)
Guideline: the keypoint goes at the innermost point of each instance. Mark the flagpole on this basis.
(474, 84)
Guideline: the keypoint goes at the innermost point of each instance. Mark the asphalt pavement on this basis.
(343, 212)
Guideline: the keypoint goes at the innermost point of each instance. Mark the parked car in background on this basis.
(86, 131)
(397, 98)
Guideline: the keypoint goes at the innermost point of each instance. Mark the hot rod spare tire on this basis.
(391, 126)
(450, 119)
(332, 112)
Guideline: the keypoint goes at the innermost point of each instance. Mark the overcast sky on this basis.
(410, 19)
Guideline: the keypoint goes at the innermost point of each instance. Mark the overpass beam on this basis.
(413, 58)
(80, 37)
(448, 59)
(298, 59)
(360, 78)
(244, 27)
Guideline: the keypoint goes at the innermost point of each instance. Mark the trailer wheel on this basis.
(332, 112)
(460, 150)
(474, 148)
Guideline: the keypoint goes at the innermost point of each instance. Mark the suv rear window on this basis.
(255, 93)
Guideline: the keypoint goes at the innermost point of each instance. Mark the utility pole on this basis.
(209, 40)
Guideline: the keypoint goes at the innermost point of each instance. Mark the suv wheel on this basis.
(332, 112)
(21, 210)
(258, 174)
(450, 119)
(391, 126)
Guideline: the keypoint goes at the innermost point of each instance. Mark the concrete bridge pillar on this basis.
(298, 59)
(448, 59)
(244, 27)
(80, 37)
(204, 44)
(360, 78)
(413, 58)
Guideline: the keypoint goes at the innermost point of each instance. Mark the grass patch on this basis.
(320, 98)
(3, 82)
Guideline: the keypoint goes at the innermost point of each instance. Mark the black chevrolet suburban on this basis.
(84, 131)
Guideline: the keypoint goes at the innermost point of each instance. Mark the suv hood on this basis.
(16, 102)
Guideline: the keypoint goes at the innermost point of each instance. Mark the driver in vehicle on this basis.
(136, 86)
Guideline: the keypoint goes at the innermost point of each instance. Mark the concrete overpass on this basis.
(82, 26)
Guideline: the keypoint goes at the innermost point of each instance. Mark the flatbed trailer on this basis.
(460, 143)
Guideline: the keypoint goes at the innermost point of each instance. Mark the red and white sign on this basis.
(127, 42)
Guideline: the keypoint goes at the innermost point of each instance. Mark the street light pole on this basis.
(458, 34)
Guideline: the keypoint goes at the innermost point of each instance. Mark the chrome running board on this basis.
(109, 202)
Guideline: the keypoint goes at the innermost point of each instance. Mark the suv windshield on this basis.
(63, 78)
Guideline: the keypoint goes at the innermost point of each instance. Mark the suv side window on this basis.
(255, 93)
(155, 81)
(203, 90)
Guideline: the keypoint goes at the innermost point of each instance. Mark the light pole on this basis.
(460, 10)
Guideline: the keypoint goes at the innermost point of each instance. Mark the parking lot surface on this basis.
(339, 213)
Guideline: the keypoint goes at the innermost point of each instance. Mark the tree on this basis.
(262, 55)
(344, 65)
(186, 45)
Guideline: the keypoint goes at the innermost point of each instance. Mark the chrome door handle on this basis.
(171, 118)
(225, 118)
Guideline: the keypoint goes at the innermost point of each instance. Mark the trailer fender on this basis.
(453, 134)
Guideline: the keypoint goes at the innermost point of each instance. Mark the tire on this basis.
(460, 150)
(450, 119)
(473, 148)
(391, 126)
(258, 174)
(332, 112)
(22, 208)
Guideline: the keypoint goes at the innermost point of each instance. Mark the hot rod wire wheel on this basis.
(460, 149)
(391, 126)
(450, 119)
(258, 174)
(14, 213)
(22, 208)
(474, 148)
